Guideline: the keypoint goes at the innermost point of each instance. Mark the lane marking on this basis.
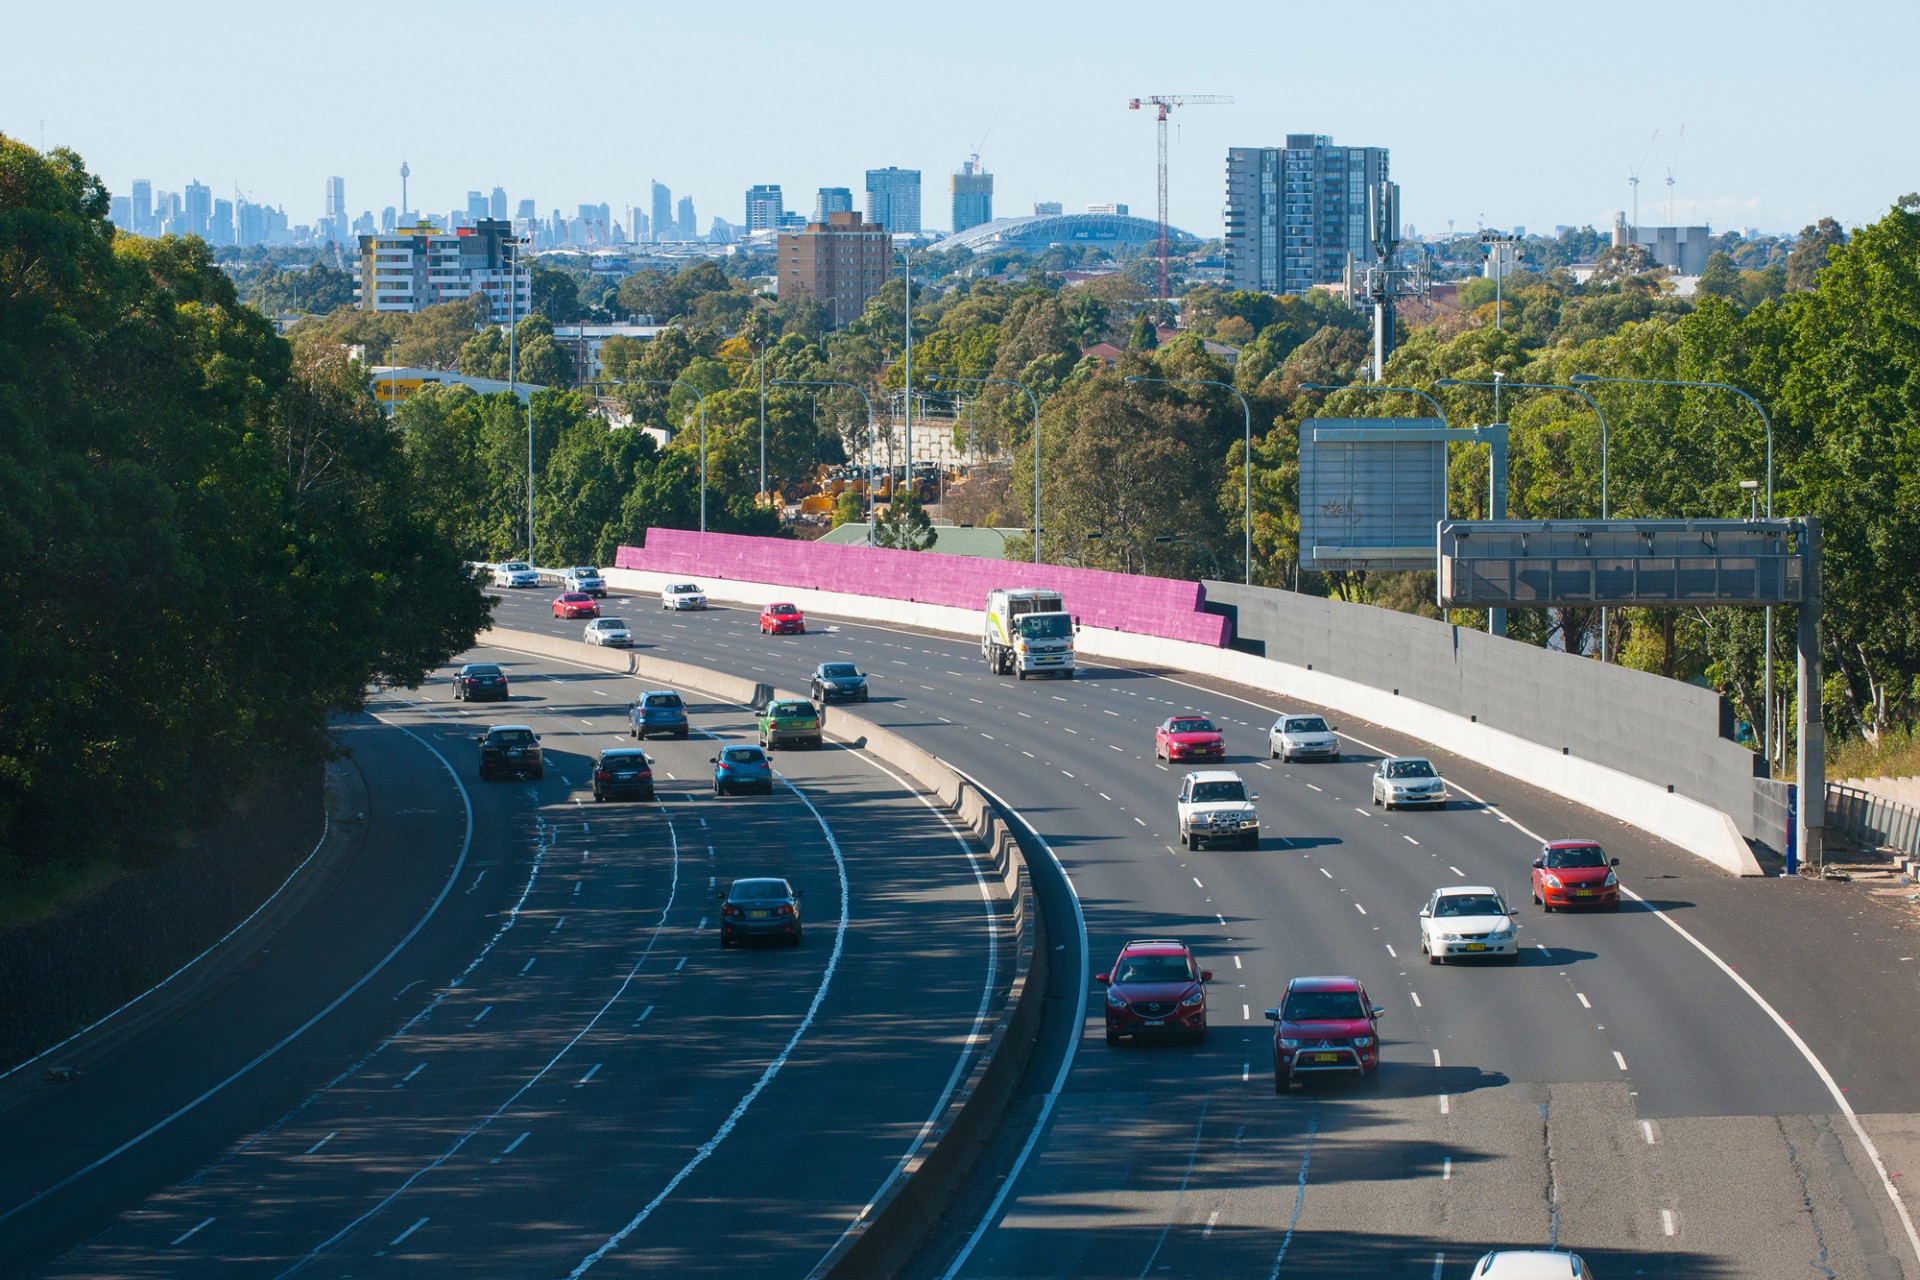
(594, 1071)
(1457, 871)
(1446, 1168)
(1197, 884)
(483, 1013)
(1622, 1062)
(1392, 952)
(1436, 1059)
(1311, 787)
(1666, 1221)
(1173, 1211)
(1646, 1127)
(191, 1233)
(323, 1142)
(516, 1142)
(1439, 1261)
(1416, 999)
(1246, 1013)
(1584, 1002)
(1328, 874)
(529, 964)
(404, 1234)
(1237, 964)
(1357, 907)
(1409, 839)
(643, 1015)
(411, 1074)
(1444, 1108)
(1299, 1192)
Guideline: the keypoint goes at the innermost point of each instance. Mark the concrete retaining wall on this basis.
(890, 1231)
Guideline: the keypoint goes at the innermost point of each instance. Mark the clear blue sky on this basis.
(1529, 114)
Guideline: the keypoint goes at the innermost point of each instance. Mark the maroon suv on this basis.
(1156, 989)
(1324, 1026)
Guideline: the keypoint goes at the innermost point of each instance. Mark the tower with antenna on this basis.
(404, 172)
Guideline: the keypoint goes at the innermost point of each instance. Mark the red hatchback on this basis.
(576, 604)
(1188, 738)
(1156, 989)
(782, 620)
(1324, 1026)
(1575, 873)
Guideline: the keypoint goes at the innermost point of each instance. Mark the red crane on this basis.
(1164, 102)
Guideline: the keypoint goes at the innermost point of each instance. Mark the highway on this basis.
(1618, 1092)
(498, 1035)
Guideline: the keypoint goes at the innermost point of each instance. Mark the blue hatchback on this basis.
(658, 711)
(742, 769)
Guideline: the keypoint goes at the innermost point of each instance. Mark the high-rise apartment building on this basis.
(972, 195)
(1294, 213)
(120, 212)
(1048, 208)
(478, 206)
(662, 212)
(335, 203)
(765, 207)
(841, 262)
(893, 199)
(419, 267)
(831, 200)
(198, 207)
(221, 229)
(686, 226)
(142, 214)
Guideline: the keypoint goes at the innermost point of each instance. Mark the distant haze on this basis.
(1526, 115)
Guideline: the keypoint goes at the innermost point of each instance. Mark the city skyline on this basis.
(1489, 124)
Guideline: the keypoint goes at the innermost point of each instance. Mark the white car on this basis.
(682, 595)
(515, 573)
(1215, 805)
(610, 632)
(1531, 1264)
(1403, 780)
(585, 579)
(1302, 737)
(1468, 920)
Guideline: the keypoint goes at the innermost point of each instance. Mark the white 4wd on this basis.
(1215, 805)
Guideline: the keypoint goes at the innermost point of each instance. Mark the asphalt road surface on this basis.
(498, 1035)
(1618, 1092)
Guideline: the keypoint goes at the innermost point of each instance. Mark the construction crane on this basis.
(1164, 102)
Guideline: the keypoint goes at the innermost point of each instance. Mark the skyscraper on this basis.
(478, 206)
(497, 204)
(198, 207)
(972, 195)
(336, 201)
(893, 199)
(220, 230)
(1294, 213)
(686, 227)
(526, 211)
(142, 206)
(765, 207)
(662, 212)
(832, 200)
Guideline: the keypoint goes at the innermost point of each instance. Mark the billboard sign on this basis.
(1572, 563)
(1372, 491)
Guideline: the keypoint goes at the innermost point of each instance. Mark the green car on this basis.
(783, 722)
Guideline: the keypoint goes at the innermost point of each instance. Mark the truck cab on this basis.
(1027, 632)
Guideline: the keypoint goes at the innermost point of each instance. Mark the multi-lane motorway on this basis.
(1619, 1092)
(500, 1036)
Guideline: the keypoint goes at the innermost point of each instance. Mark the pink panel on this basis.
(1116, 601)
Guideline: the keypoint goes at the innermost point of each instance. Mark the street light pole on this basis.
(763, 416)
(871, 444)
(1247, 482)
(1009, 382)
(1766, 666)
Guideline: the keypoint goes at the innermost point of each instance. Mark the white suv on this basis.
(585, 579)
(1215, 805)
(1302, 737)
(682, 595)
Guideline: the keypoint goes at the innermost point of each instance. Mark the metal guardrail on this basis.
(1873, 821)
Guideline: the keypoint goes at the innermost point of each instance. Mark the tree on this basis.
(1811, 252)
(556, 295)
(849, 508)
(1143, 337)
(906, 526)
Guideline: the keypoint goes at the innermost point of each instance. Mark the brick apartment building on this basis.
(842, 262)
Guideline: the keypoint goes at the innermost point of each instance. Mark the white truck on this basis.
(1028, 632)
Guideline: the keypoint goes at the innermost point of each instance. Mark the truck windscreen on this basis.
(1046, 626)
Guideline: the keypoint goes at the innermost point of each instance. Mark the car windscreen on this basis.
(585, 571)
(1046, 626)
(1192, 726)
(623, 759)
(663, 700)
(1306, 724)
(518, 567)
(481, 669)
(611, 624)
(785, 709)
(781, 608)
(1576, 859)
(840, 671)
(1322, 1006)
(1410, 769)
(741, 755)
(1468, 904)
(511, 737)
(683, 588)
(758, 889)
(1154, 969)
(1208, 792)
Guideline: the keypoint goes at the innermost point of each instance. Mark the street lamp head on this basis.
(1749, 485)
(1579, 378)
(1135, 379)
(1448, 382)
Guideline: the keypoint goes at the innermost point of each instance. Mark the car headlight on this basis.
(1610, 881)
(1550, 880)
(1115, 1002)
(1363, 1042)
(1289, 1044)
(1503, 928)
(1194, 1000)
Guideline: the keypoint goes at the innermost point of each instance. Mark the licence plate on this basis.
(756, 915)
(1325, 1057)
(1476, 946)
(1583, 893)
(1154, 1022)
(626, 777)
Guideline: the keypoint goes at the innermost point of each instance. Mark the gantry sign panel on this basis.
(1550, 563)
(1371, 492)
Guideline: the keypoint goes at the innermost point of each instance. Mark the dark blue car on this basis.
(742, 769)
(658, 711)
(837, 682)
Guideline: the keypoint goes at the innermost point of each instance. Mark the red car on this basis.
(1156, 989)
(1188, 738)
(782, 620)
(1325, 1026)
(576, 604)
(1575, 873)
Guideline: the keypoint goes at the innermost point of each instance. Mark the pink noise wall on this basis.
(1116, 601)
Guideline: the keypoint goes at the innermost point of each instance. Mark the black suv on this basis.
(511, 751)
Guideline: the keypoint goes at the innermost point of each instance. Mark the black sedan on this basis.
(479, 682)
(837, 682)
(760, 907)
(623, 771)
(511, 751)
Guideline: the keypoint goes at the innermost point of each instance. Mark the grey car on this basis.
(760, 907)
(837, 682)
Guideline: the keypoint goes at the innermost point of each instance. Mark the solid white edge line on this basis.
(1066, 1064)
(453, 878)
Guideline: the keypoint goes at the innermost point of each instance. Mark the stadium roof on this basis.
(1040, 232)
